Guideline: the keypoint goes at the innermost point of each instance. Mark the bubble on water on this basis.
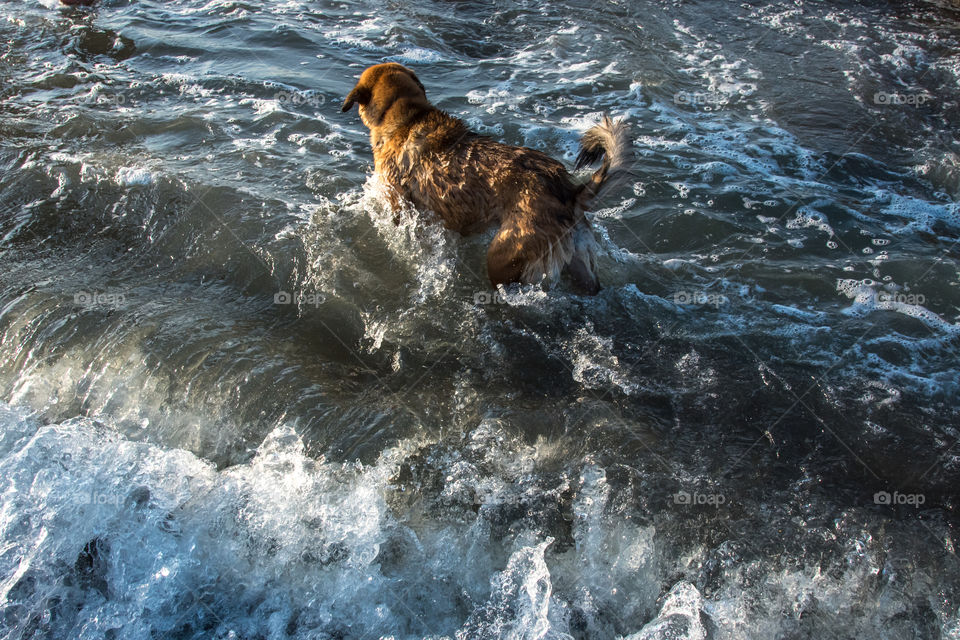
(683, 190)
(807, 217)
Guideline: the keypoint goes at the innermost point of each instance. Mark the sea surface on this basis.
(238, 402)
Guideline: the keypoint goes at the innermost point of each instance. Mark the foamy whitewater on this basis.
(238, 401)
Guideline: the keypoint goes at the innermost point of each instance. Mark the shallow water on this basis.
(237, 401)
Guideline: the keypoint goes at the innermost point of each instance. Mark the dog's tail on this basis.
(610, 139)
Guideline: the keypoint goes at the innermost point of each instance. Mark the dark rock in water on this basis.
(76, 3)
(92, 565)
(138, 497)
(87, 42)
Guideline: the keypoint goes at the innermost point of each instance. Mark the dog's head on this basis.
(380, 87)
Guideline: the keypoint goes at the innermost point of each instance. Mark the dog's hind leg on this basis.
(583, 276)
(512, 251)
(504, 257)
(582, 267)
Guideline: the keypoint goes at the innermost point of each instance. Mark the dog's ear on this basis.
(416, 79)
(359, 94)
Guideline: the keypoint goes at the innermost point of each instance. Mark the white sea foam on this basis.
(286, 541)
(417, 55)
(868, 297)
(134, 176)
(417, 238)
(917, 214)
(594, 364)
(679, 617)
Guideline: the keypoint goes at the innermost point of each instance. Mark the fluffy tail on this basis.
(610, 139)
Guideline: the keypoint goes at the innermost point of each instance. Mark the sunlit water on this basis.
(239, 402)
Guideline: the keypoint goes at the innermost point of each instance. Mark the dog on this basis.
(432, 160)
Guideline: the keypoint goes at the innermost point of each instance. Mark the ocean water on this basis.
(237, 401)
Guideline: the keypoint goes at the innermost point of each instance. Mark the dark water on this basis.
(238, 402)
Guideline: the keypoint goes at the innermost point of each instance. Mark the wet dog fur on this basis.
(432, 160)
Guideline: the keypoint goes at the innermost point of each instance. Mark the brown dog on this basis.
(431, 159)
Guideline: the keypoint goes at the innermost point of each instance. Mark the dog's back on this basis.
(433, 160)
(471, 181)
